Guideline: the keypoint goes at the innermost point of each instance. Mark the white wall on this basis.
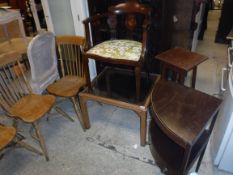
(66, 19)
(61, 16)
(79, 13)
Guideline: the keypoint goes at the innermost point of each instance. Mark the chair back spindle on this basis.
(70, 55)
(13, 82)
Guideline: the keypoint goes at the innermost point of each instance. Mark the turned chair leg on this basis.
(78, 111)
(41, 140)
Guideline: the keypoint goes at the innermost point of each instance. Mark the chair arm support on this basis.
(88, 22)
(146, 27)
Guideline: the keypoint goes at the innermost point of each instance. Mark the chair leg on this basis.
(138, 82)
(63, 113)
(28, 147)
(15, 123)
(78, 111)
(41, 140)
(86, 71)
(1, 155)
(31, 132)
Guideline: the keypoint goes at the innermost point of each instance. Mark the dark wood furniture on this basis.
(164, 32)
(127, 25)
(116, 87)
(182, 121)
(225, 22)
(180, 61)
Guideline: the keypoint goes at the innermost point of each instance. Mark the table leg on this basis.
(200, 159)
(83, 105)
(174, 76)
(194, 77)
(143, 126)
(164, 72)
(181, 78)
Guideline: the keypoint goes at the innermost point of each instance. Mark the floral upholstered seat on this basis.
(118, 49)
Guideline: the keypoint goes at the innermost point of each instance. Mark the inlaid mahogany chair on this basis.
(125, 32)
(17, 99)
(72, 71)
(9, 135)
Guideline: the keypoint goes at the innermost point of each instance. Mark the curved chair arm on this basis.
(87, 23)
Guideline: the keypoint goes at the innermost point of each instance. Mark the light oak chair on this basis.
(16, 96)
(9, 135)
(72, 71)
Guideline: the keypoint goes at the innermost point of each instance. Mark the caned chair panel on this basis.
(16, 96)
(43, 61)
(71, 68)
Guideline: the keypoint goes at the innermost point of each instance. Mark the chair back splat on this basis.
(127, 20)
(70, 57)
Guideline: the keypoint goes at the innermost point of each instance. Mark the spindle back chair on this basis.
(71, 70)
(16, 96)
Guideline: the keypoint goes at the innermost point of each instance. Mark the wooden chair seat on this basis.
(118, 49)
(9, 137)
(7, 134)
(67, 86)
(32, 107)
(19, 45)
